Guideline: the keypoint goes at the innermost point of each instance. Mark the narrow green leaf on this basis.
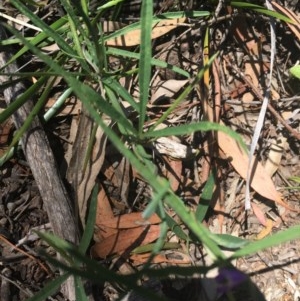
(87, 95)
(50, 32)
(57, 243)
(145, 59)
(201, 232)
(269, 241)
(75, 26)
(261, 9)
(158, 197)
(228, 241)
(158, 245)
(109, 4)
(192, 128)
(33, 114)
(79, 289)
(50, 288)
(185, 92)
(295, 179)
(97, 273)
(38, 39)
(154, 62)
(121, 91)
(17, 103)
(206, 196)
(85, 6)
(90, 223)
(57, 105)
(41, 24)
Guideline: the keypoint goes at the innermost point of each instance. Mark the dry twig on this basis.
(39, 155)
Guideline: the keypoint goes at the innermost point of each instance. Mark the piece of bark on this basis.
(5, 289)
(41, 160)
(82, 172)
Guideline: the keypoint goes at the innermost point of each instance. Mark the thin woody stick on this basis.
(260, 97)
(42, 163)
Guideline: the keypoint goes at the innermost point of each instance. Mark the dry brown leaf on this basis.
(81, 177)
(265, 231)
(104, 213)
(112, 26)
(173, 172)
(6, 128)
(160, 258)
(240, 89)
(72, 135)
(174, 175)
(242, 34)
(127, 221)
(92, 170)
(251, 71)
(218, 205)
(167, 89)
(122, 178)
(261, 181)
(125, 241)
(275, 155)
(259, 214)
(132, 38)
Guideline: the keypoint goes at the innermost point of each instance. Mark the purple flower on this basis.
(229, 278)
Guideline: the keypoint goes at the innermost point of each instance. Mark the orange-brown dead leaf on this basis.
(244, 36)
(219, 206)
(125, 241)
(132, 38)
(6, 128)
(265, 231)
(251, 71)
(128, 221)
(139, 259)
(259, 214)
(173, 172)
(104, 213)
(261, 181)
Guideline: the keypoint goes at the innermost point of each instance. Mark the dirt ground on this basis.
(239, 79)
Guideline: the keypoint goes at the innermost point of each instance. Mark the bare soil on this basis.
(239, 75)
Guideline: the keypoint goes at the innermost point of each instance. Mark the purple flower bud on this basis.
(228, 279)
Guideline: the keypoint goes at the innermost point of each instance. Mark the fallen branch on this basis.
(42, 163)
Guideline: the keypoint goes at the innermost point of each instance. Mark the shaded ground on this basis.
(237, 79)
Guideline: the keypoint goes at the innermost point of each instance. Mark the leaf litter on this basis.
(120, 227)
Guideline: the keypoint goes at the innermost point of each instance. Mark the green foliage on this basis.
(87, 52)
(145, 60)
(260, 9)
(297, 181)
(295, 71)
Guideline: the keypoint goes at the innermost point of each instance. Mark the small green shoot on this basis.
(295, 71)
